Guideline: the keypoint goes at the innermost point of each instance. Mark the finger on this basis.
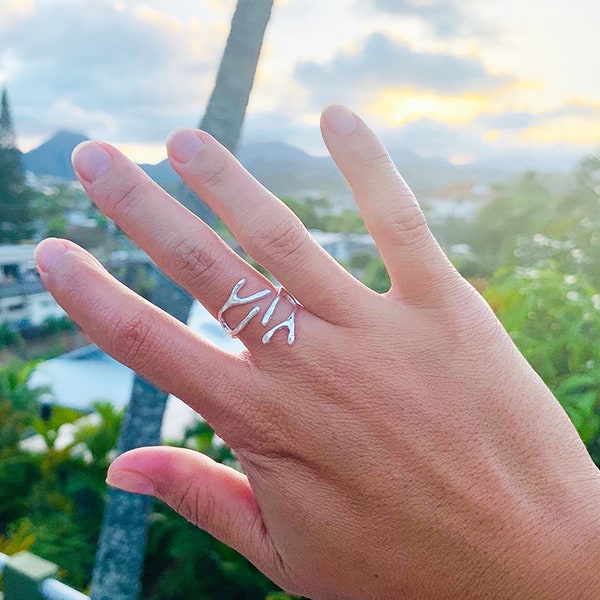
(414, 260)
(179, 242)
(149, 340)
(267, 229)
(210, 495)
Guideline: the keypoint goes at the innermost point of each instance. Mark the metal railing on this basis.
(28, 577)
(52, 589)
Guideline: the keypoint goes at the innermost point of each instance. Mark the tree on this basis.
(15, 195)
(18, 403)
(122, 541)
(554, 318)
(520, 209)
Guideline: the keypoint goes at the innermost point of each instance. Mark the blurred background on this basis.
(490, 110)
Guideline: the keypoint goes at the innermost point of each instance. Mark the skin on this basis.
(401, 448)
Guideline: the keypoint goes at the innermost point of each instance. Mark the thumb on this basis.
(210, 495)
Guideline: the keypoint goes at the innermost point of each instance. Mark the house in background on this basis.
(457, 201)
(80, 378)
(24, 301)
(342, 246)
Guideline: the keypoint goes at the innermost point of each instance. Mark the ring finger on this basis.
(181, 244)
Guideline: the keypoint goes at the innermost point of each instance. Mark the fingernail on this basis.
(130, 481)
(339, 119)
(184, 144)
(91, 160)
(48, 252)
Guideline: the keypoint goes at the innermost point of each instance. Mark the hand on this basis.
(400, 448)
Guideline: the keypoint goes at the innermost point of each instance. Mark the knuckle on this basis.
(216, 178)
(278, 243)
(189, 505)
(194, 261)
(132, 341)
(376, 158)
(124, 198)
(406, 223)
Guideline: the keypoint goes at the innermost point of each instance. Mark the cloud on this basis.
(507, 120)
(14, 8)
(447, 18)
(107, 70)
(575, 123)
(382, 63)
(465, 144)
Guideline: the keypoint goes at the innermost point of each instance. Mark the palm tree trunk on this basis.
(122, 543)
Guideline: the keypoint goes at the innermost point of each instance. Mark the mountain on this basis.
(288, 171)
(53, 158)
(283, 169)
(162, 173)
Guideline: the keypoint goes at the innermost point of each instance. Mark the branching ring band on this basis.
(236, 300)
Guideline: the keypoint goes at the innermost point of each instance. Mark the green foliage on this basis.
(185, 563)
(202, 438)
(545, 250)
(56, 227)
(522, 209)
(54, 325)
(311, 213)
(15, 195)
(8, 337)
(18, 403)
(555, 321)
(320, 214)
(375, 276)
(526, 222)
(52, 503)
(54, 499)
(53, 202)
(101, 439)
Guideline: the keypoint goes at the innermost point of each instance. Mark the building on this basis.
(342, 246)
(24, 301)
(80, 378)
(457, 201)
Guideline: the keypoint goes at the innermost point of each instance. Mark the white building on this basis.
(458, 201)
(24, 301)
(80, 378)
(342, 246)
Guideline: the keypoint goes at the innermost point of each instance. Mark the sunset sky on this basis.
(466, 80)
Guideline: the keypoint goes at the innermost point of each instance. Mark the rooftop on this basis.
(80, 378)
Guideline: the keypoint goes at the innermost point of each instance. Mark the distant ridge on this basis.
(53, 158)
(283, 169)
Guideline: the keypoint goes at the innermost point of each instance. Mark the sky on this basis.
(465, 80)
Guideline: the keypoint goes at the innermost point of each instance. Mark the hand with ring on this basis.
(394, 445)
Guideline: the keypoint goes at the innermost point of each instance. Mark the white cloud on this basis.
(100, 59)
(382, 63)
(130, 72)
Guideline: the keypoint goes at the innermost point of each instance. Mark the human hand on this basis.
(400, 448)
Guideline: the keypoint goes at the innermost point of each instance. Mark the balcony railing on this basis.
(29, 577)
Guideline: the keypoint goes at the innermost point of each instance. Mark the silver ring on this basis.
(236, 300)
